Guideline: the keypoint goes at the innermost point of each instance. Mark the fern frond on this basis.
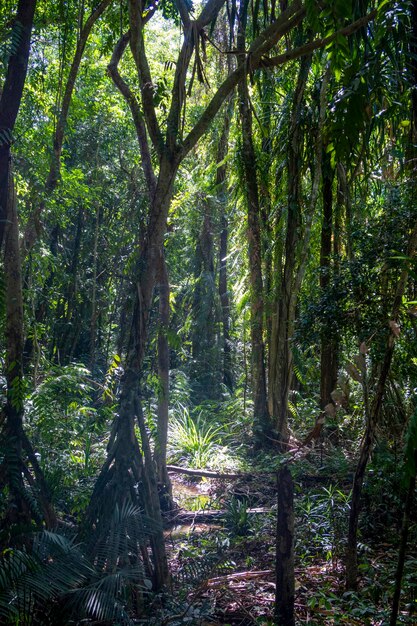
(195, 571)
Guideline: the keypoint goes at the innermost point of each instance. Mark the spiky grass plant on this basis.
(192, 441)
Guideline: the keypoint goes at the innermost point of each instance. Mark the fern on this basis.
(196, 571)
(57, 583)
(9, 46)
(6, 137)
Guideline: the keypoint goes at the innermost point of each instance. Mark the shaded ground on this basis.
(227, 567)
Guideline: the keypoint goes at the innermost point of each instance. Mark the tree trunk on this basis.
(372, 422)
(19, 513)
(328, 357)
(285, 581)
(205, 374)
(128, 472)
(21, 509)
(221, 192)
(11, 97)
(403, 547)
(280, 360)
(160, 454)
(261, 420)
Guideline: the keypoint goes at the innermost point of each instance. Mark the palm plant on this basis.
(61, 581)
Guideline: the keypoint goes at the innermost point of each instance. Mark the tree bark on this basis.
(261, 420)
(372, 422)
(221, 192)
(328, 357)
(285, 581)
(11, 97)
(160, 454)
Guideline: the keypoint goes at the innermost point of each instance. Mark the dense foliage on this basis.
(208, 234)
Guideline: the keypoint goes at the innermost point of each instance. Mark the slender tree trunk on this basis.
(160, 454)
(94, 308)
(205, 374)
(369, 436)
(221, 192)
(285, 581)
(11, 96)
(66, 333)
(328, 357)
(403, 547)
(280, 359)
(261, 420)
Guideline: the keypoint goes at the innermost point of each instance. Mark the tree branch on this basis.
(256, 59)
(261, 45)
(316, 43)
(133, 104)
(55, 166)
(183, 11)
(137, 46)
(191, 34)
(209, 12)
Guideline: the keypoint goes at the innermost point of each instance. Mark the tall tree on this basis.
(261, 421)
(14, 468)
(11, 96)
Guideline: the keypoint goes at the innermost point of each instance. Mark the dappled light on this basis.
(208, 303)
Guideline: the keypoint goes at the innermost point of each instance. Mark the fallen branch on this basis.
(198, 517)
(175, 469)
(218, 581)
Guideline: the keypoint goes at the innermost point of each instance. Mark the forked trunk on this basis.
(280, 358)
(128, 472)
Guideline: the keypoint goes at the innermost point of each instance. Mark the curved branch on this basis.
(261, 45)
(123, 87)
(137, 46)
(55, 166)
(183, 11)
(321, 42)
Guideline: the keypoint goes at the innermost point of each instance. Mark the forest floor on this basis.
(228, 564)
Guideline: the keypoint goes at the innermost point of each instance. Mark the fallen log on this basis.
(306, 478)
(206, 516)
(175, 469)
(219, 581)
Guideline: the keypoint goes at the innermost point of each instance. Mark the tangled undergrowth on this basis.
(224, 570)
